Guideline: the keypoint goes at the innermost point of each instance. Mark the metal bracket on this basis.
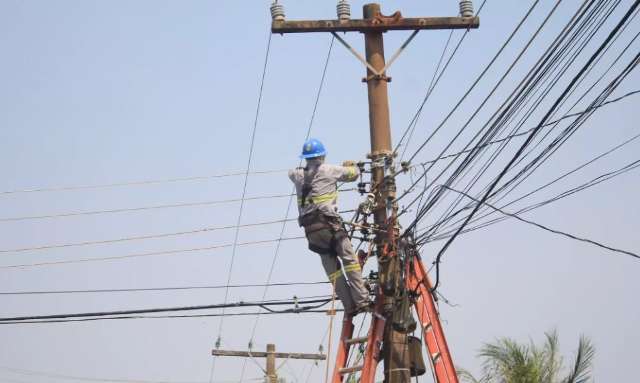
(355, 53)
(377, 75)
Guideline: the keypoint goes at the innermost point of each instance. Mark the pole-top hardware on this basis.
(466, 8)
(377, 77)
(277, 11)
(343, 10)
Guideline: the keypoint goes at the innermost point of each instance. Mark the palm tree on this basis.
(507, 361)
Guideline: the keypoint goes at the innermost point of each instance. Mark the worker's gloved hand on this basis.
(349, 163)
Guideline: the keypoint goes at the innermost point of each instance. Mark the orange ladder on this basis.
(418, 282)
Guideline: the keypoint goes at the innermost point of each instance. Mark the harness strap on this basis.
(307, 185)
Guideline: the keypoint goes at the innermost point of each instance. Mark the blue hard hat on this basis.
(312, 148)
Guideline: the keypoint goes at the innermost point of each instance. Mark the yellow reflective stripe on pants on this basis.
(320, 199)
(337, 274)
(354, 267)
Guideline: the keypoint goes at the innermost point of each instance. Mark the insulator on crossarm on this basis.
(466, 8)
(277, 11)
(344, 10)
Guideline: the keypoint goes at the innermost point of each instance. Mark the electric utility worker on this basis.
(316, 187)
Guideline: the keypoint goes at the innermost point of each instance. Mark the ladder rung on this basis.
(356, 340)
(348, 370)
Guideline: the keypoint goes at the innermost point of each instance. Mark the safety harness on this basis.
(315, 221)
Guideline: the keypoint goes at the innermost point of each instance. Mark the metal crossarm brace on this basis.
(356, 54)
(379, 73)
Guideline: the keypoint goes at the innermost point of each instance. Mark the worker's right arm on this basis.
(345, 173)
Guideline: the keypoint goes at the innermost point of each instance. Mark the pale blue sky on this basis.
(94, 92)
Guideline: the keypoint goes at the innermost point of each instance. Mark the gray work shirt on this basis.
(324, 188)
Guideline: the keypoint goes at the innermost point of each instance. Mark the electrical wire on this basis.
(149, 254)
(147, 289)
(519, 126)
(503, 77)
(239, 314)
(244, 191)
(137, 183)
(556, 49)
(53, 375)
(538, 189)
(412, 124)
(290, 202)
(153, 207)
(589, 184)
(141, 237)
(556, 143)
(135, 209)
(533, 134)
(571, 236)
(554, 146)
(539, 71)
(484, 71)
(446, 217)
(524, 133)
(579, 167)
(261, 304)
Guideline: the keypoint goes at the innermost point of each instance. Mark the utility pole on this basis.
(271, 355)
(373, 25)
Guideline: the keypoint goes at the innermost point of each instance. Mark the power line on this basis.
(533, 134)
(460, 131)
(145, 289)
(593, 182)
(413, 123)
(484, 71)
(524, 133)
(156, 253)
(244, 191)
(153, 207)
(557, 179)
(262, 304)
(571, 236)
(528, 170)
(290, 203)
(136, 183)
(141, 237)
(553, 55)
(188, 316)
(133, 209)
(536, 74)
(94, 379)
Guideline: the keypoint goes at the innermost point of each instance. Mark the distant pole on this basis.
(271, 355)
(272, 377)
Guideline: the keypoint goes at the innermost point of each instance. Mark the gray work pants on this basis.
(342, 268)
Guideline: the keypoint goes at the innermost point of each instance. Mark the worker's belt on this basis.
(318, 199)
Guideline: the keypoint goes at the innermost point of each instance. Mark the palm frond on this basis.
(552, 361)
(580, 372)
(466, 376)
